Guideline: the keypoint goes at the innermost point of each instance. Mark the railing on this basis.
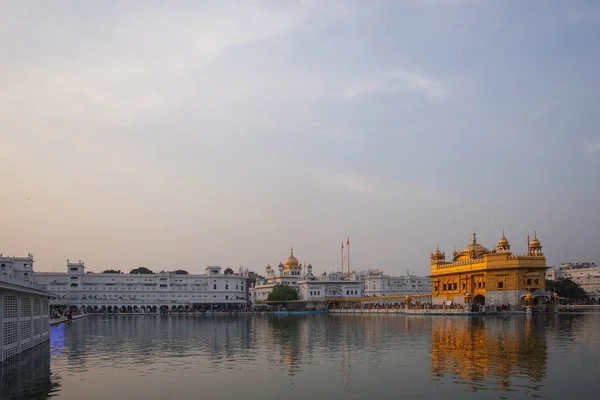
(20, 282)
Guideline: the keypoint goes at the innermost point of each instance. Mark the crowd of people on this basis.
(62, 312)
(581, 302)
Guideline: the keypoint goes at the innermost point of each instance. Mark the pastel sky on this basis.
(178, 135)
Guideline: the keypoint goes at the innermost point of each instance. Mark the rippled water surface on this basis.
(312, 356)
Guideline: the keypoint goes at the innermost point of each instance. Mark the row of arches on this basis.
(150, 309)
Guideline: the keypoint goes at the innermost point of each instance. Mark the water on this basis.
(312, 356)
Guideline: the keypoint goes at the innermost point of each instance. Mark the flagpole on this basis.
(348, 243)
(342, 259)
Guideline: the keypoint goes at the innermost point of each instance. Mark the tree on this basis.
(141, 270)
(283, 293)
(181, 272)
(565, 287)
(111, 271)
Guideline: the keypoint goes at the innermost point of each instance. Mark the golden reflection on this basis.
(490, 354)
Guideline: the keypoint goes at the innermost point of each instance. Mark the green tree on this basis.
(181, 272)
(283, 293)
(141, 270)
(111, 271)
(565, 287)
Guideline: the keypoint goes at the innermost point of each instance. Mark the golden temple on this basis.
(496, 277)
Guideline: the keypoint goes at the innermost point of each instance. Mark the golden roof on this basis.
(503, 242)
(292, 262)
(475, 247)
(535, 242)
(438, 255)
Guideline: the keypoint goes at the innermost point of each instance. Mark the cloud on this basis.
(381, 188)
(395, 81)
(357, 184)
(588, 16)
(444, 3)
(592, 148)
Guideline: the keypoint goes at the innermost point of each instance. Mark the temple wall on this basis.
(503, 297)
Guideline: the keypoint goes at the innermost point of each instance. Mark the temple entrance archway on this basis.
(479, 300)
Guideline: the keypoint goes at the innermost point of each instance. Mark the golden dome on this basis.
(535, 242)
(475, 248)
(292, 262)
(503, 243)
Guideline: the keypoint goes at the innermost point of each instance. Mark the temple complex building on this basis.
(376, 284)
(493, 277)
(586, 275)
(309, 286)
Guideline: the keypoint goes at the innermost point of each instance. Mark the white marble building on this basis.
(309, 286)
(131, 292)
(376, 284)
(143, 291)
(586, 275)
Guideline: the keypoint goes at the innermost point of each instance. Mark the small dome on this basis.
(503, 243)
(535, 242)
(309, 267)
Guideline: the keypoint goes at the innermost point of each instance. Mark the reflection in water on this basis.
(335, 357)
(27, 376)
(489, 354)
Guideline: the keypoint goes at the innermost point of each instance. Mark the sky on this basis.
(181, 135)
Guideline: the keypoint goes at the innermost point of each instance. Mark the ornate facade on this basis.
(496, 277)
